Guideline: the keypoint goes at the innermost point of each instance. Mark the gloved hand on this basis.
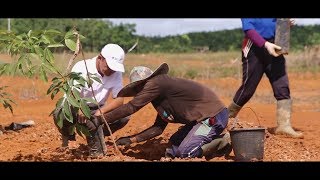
(124, 141)
(272, 48)
(292, 22)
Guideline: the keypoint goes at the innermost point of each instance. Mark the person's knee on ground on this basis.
(233, 109)
(171, 152)
(96, 142)
(182, 132)
(220, 146)
(284, 109)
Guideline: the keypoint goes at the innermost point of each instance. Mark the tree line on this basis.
(98, 32)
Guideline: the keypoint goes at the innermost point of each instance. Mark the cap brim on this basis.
(129, 91)
(115, 66)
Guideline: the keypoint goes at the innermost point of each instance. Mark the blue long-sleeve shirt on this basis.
(266, 27)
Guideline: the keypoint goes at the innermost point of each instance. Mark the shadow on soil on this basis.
(150, 150)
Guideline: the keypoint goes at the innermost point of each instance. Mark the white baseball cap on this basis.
(114, 56)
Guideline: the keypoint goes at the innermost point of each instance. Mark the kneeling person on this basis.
(176, 100)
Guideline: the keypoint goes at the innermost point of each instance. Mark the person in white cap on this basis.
(108, 67)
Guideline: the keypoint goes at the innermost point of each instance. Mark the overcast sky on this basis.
(170, 26)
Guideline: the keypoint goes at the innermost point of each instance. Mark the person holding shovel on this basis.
(260, 55)
(108, 67)
(176, 100)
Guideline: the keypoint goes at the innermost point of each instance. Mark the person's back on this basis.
(187, 100)
(176, 100)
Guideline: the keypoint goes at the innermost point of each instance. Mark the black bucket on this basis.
(248, 143)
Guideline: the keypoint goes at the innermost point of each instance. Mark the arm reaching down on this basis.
(155, 130)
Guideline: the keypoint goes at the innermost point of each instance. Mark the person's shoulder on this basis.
(77, 66)
(80, 63)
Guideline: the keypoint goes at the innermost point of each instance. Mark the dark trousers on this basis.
(254, 66)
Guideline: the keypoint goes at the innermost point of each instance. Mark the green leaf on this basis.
(59, 102)
(43, 74)
(7, 105)
(69, 34)
(85, 108)
(66, 115)
(29, 33)
(53, 86)
(70, 44)
(55, 79)
(55, 45)
(73, 101)
(45, 39)
(60, 118)
(48, 55)
(52, 31)
(67, 111)
(96, 79)
(39, 51)
(74, 75)
(76, 94)
(32, 55)
(82, 81)
(50, 67)
(53, 94)
(92, 100)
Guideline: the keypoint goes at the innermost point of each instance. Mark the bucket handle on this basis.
(236, 119)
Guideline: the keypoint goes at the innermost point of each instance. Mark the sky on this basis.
(170, 26)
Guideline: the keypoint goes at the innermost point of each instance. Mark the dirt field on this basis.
(42, 141)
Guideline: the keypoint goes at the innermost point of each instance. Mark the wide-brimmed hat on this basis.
(140, 74)
(114, 56)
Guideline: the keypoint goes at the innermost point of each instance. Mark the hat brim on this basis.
(129, 91)
(115, 66)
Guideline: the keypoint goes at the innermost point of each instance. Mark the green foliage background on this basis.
(98, 32)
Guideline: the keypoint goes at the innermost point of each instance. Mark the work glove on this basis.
(272, 48)
(292, 22)
(124, 141)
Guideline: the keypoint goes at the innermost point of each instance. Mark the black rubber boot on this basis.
(96, 143)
